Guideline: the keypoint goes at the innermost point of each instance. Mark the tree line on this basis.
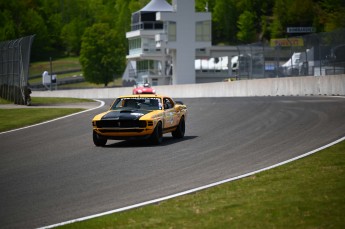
(95, 29)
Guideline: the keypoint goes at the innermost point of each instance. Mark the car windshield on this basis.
(142, 85)
(137, 103)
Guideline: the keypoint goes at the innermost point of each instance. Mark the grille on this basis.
(122, 131)
(121, 124)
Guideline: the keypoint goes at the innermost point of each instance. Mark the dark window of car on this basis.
(168, 103)
(137, 103)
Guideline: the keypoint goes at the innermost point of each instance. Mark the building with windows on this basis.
(165, 41)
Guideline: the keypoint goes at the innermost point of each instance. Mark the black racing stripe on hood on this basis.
(125, 114)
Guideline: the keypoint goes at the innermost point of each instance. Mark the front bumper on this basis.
(123, 129)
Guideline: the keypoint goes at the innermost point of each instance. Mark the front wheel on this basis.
(157, 135)
(98, 140)
(180, 130)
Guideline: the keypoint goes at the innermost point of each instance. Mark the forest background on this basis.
(96, 30)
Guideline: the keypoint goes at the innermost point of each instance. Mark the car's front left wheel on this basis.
(157, 135)
(99, 140)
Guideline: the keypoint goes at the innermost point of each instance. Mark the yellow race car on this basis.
(140, 117)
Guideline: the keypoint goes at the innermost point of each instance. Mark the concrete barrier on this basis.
(289, 86)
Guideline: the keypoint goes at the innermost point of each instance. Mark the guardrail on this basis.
(289, 86)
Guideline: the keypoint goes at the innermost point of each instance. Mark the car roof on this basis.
(144, 96)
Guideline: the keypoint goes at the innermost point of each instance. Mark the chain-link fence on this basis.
(309, 55)
(14, 69)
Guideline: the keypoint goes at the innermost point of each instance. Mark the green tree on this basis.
(200, 5)
(102, 11)
(60, 24)
(36, 25)
(330, 15)
(71, 35)
(7, 26)
(300, 13)
(246, 26)
(224, 20)
(135, 5)
(291, 13)
(101, 57)
(123, 20)
(25, 19)
(279, 19)
(51, 12)
(77, 15)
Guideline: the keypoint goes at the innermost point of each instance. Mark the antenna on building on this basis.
(206, 7)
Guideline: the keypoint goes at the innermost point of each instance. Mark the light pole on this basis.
(51, 73)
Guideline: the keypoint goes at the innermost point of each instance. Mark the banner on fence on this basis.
(286, 42)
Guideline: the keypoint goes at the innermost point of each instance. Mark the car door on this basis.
(169, 113)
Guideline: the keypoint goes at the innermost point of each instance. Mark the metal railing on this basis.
(147, 25)
(310, 55)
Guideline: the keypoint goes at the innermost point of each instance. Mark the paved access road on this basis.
(53, 173)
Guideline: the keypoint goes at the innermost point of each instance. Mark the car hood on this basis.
(130, 114)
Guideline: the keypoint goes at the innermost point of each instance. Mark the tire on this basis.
(98, 140)
(157, 135)
(180, 130)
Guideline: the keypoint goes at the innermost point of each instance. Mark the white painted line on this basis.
(41, 123)
(192, 190)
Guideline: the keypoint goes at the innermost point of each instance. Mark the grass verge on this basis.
(63, 64)
(4, 101)
(21, 117)
(52, 100)
(308, 193)
(16, 118)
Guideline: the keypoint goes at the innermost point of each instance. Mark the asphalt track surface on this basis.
(53, 173)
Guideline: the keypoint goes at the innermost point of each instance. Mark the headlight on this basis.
(154, 91)
(140, 91)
